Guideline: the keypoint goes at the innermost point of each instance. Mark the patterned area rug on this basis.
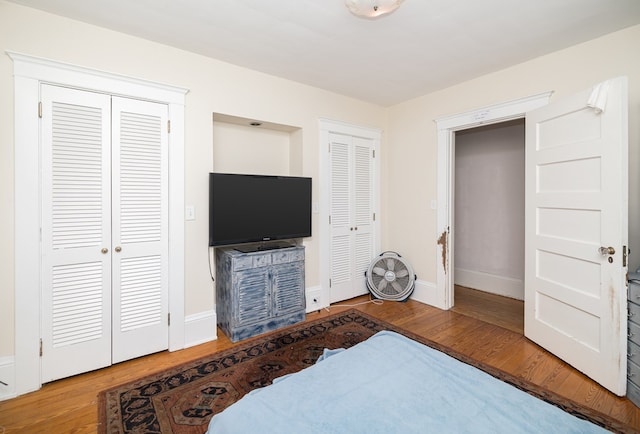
(183, 399)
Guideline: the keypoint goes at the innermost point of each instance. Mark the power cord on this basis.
(210, 270)
(375, 301)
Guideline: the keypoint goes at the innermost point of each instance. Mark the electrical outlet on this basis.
(313, 301)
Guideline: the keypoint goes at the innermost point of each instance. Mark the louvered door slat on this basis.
(340, 190)
(140, 160)
(362, 184)
(287, 280)
(77, 174)
(254, 296)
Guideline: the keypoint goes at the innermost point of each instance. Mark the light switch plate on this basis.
(190, 213)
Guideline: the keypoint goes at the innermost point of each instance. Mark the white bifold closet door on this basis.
(351, 214)
(104, 230)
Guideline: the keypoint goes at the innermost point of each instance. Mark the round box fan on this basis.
(390, 277)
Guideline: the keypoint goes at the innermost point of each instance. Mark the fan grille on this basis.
(390, 278)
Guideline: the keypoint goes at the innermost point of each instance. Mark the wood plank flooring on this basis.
(494, 309)
(70, 405)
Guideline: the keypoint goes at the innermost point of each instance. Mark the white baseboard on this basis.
(7, 375)
(200, 328)
(426, 292)
(500, 285)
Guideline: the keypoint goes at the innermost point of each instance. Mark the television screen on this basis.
(258, 208)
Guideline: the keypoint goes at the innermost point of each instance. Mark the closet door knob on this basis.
(104, 250)
(118, 249)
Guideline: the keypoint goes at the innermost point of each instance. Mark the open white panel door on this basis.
(576, 231)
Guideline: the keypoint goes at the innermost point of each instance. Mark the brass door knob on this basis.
(604, 251)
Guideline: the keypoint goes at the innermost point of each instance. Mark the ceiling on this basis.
(423, 46)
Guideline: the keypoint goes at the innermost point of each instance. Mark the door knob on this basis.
(118, 249)
(604, 251)
(104, 250)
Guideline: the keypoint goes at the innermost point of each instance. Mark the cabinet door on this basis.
(252, 296)
(351, 212)
(288, 287)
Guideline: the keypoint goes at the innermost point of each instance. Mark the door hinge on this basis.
(374, 153)
(329, 283)
(374, 216)
(40, 109)
(169, 318)
(169, 127)
(40, 347)
(624, 256)
(329, 219)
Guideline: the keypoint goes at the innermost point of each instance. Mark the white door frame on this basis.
(29, 73)
(328, 126)
(447, 126)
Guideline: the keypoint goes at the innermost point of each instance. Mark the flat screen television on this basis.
(258, 208)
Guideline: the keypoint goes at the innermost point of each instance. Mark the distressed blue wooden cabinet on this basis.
(259, 291)
(633, 342)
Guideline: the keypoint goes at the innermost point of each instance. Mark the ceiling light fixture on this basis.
(372, 8)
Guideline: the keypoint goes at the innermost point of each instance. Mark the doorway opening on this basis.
(447, 128)
(489, 223)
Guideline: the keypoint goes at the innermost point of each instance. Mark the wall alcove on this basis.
(251, 146)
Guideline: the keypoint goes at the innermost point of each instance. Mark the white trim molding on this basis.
(200, 328)
(491, 283)
(29, 73)
(7, 375)
(425, 292)
(447, 126)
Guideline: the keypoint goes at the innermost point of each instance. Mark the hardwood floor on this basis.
(70, 405)
(494, 309)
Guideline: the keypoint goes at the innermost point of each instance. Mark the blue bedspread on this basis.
(392, 384)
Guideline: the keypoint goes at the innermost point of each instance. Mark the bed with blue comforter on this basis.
(392, 384)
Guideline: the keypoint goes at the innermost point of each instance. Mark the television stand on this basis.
(259, 291)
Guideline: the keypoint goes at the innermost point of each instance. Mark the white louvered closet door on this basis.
(351, 214)
(104, 230)
(140, 228)
(76, 227)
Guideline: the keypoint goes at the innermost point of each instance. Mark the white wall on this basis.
(410, 223)
(248, 150)
(489, 208)
(215, 87)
